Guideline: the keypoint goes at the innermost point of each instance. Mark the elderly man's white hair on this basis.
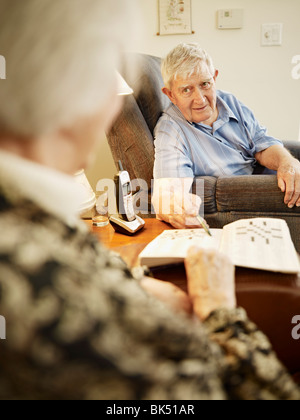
(183, 61)
(60, 56)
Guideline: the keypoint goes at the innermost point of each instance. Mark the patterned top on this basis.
(188, 150)
(79, 326)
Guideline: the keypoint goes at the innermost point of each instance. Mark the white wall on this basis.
(260, 76)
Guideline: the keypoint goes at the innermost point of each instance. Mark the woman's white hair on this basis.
(184, 61)
(60, 60)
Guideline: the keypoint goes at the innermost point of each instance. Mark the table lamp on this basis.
(88, 206)
(89, 202)
(123, 88)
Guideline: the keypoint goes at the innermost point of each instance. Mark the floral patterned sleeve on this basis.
(253, 370)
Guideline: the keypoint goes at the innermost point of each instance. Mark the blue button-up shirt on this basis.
(184, 149)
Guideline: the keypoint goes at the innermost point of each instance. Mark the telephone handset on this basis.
(124, 195)
(126, 222)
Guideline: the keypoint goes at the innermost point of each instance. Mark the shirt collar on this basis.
(225, 113)
(53, 191)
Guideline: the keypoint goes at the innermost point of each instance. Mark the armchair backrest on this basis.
(131, 137)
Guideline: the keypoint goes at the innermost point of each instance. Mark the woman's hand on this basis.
(175, 298)
(211, 281)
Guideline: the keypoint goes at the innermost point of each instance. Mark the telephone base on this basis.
(127, 228)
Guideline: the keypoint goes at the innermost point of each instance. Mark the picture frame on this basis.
(175, 17)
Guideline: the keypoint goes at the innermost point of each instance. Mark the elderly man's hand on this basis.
(289, 181)
(211, 281)
(174, 204)
(279, 159)
(183, 212)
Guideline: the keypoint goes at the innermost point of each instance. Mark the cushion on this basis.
(147, 87)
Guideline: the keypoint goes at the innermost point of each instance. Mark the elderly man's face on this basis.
(196, 96)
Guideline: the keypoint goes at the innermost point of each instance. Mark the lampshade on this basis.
(123, 88)
(89, 201)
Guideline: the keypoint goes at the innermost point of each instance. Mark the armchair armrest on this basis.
(258, 193)
(293, 147)
(245, 194)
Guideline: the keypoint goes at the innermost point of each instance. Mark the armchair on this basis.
(226, 199)
(272, 303)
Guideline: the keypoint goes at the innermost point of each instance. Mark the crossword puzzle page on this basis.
(263, 244)
(171, 246)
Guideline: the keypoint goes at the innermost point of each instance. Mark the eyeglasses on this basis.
(188, 91)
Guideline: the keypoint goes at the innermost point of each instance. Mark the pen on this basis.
(204, 225)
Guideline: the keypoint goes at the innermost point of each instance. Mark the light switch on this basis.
(230, 19)
(271, 34)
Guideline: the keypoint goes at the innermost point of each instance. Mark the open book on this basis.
(263, 244)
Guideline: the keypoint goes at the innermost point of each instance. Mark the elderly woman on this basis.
(80, 324)
(207, 132)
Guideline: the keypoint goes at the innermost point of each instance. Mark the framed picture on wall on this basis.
(175, 17)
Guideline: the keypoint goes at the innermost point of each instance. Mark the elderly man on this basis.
(206, 132)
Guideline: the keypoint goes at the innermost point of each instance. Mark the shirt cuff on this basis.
(264, 145)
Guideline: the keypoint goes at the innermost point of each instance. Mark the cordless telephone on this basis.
(126, 222)
(124, 195)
